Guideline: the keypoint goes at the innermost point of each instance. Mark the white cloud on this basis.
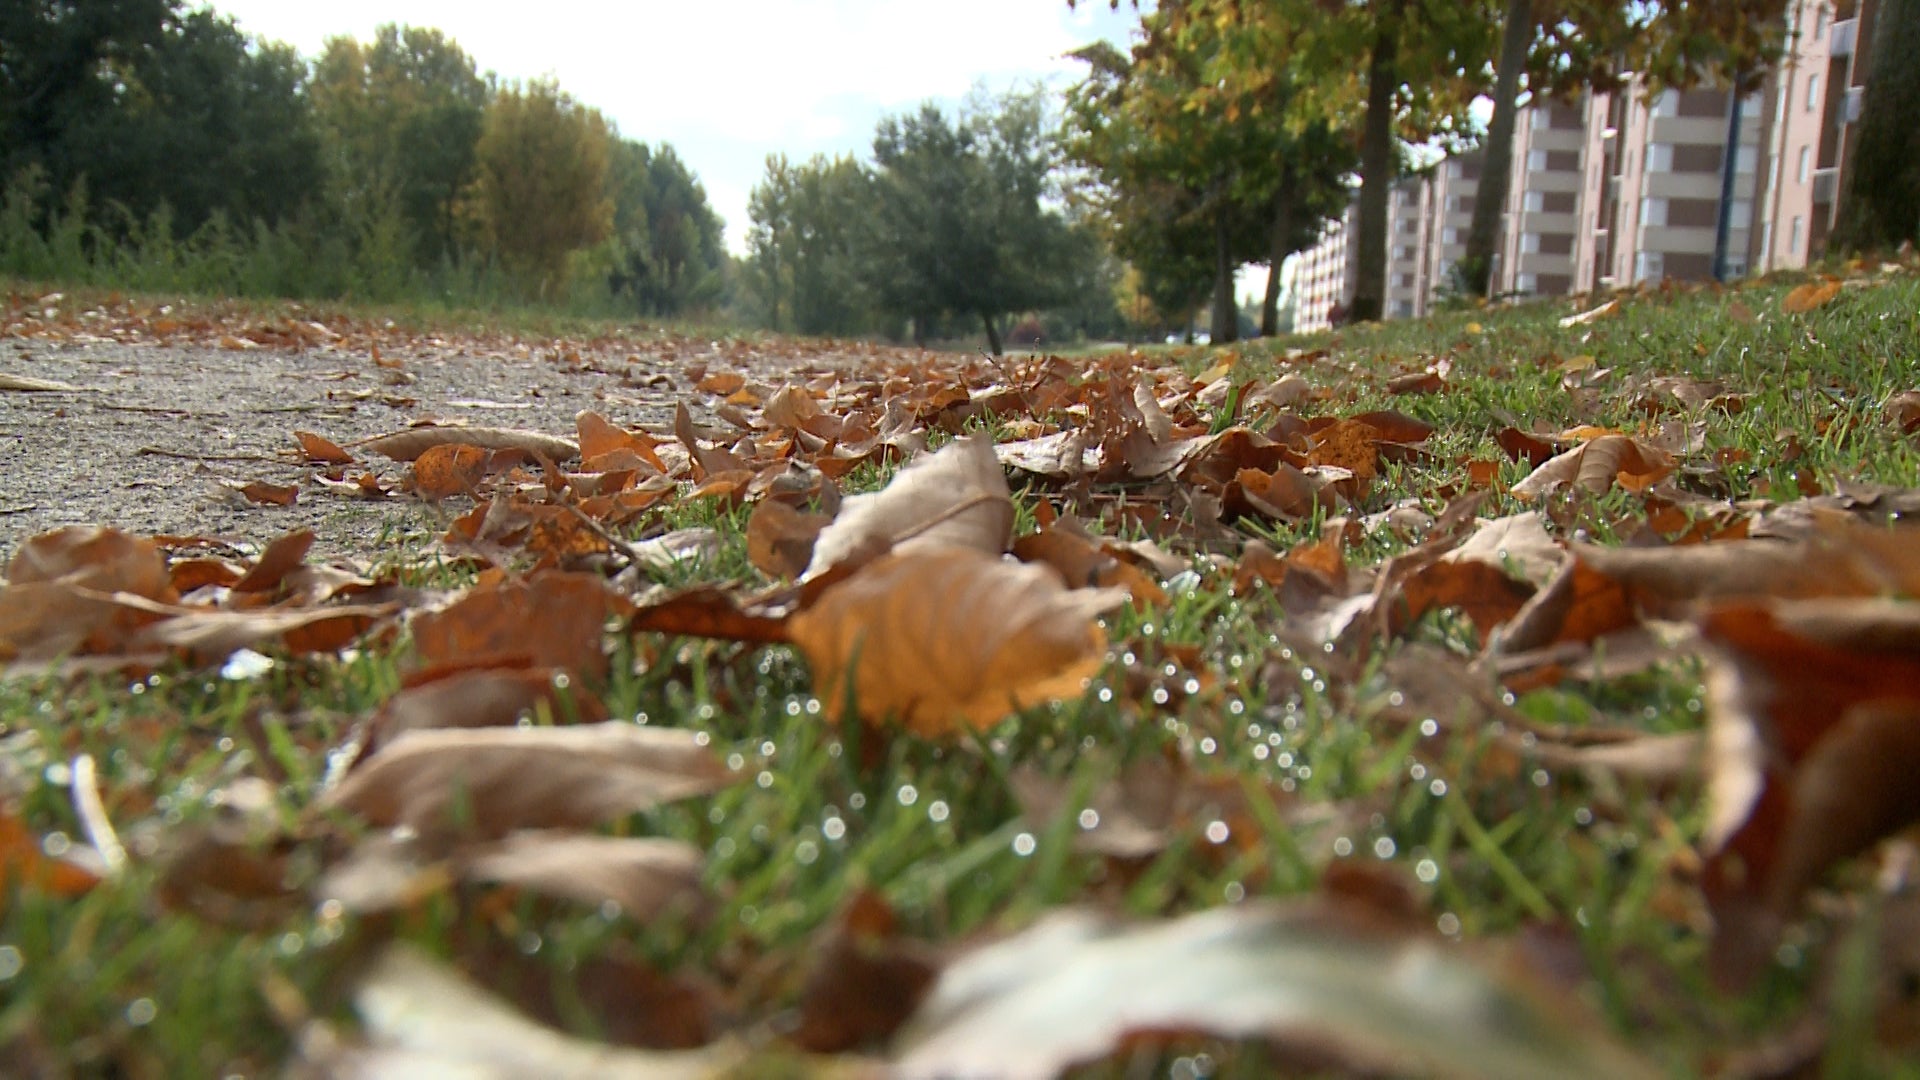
(729, 83)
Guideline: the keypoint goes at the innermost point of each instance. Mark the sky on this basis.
(728, 83)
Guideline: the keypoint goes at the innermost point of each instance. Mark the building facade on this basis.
(1623, 189)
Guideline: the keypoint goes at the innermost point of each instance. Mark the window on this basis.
(1819, 22)
(1542, 119)
(1668, 104)
(1653, 212)
(1403, 252)
(1526, 283)
(1813, 92)
(1530, 243)
(1806, 163)
(1455, 169)
(1651, 266)
(1449, 235)
(1536, 161)
(1453, 204)
(1534, 201)
(1793, 237)
(1742, 213)
(1745, 159)
(1660, 157)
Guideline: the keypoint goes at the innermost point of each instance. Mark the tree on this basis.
(1882, 203)
(811, 235)
(541, 183)
(1196, 177)
(960, 222)
(402, 117)
(668, 255)
(121, 94)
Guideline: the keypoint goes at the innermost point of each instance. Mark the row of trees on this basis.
(956, 223)
(1246, 123)
(397, 154)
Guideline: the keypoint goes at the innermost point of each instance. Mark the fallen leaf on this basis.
(469, 697)
(1082, 565)
(955, 497)
(600, 438)
(25, 866)
(29, 384)
(780, 539)
(1598, 466)
(268, 494)
(950, 637)
(646, 877)
(1591, 315)
(410, 444)
(553, 619)
(1903, 411)
(322, 450)
(490, 782)
(1809, 296)
(449, 469)
(1076, 988)
(863, 980)
(1814, 736)
(423, 1019)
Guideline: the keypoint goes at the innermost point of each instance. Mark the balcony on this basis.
(1826, 184)
(1842, 38)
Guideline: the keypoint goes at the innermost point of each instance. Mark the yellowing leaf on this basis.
(1598, 465)
(948, 637)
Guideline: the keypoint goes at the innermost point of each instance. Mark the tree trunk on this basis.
(993, 333)
(1496, 166)
(1376, 171)
(1881, 206)
(1226, 321)
(1276, 258)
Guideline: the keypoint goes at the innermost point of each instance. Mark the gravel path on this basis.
(158, 436)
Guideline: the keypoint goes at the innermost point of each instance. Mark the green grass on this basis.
(112, 983)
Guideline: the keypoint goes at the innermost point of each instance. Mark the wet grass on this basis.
(112, 983)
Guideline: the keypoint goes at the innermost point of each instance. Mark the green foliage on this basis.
(402, 117)
(541, 187)
(810, 234)
(960, 225)
(665, 256)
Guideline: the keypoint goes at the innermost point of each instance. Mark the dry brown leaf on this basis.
(268, 494)
(211, 636)
(470, 697)
(1810, 296)
(92, 557)
(1814, 739)
(1083, 565)
(1517, 544)
(552, 619)
(1598, 466)
(1591, 316)
(949, 637)
(646, 877)
(31, 385)
(1362, 995)
(410, 444)
(863, 981)
(322, 450)
(424, 1019)
(600, 438)
(955, 497)
(1903, 411)
(25, 866)
(780, 539)
(495, 781)
(711, 611)
(441, 472)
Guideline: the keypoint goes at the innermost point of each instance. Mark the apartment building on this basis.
(1621, 189)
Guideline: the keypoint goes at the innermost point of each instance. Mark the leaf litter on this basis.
(498, 774)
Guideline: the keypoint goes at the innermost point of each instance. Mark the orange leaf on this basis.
(950, 637)
(266, 494)
(321, 449)
(449, 469)
(1809, 296)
